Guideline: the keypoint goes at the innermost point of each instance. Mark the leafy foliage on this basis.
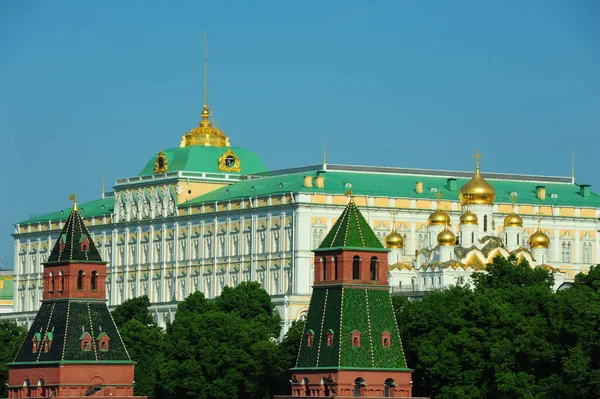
(11, 338)
(134, 308)
(509, 336)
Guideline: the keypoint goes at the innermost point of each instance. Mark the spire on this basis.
(75, 241)
(351, 230)
(477, 157)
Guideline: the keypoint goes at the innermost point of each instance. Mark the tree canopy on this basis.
(508, 336)
(11, 338)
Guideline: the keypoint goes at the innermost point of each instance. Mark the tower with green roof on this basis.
(351, 344)
(73, 347)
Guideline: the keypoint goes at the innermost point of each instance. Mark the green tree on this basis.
(143, 340)
(145, 345)
(11, 339)
(493, 341)
(576, 333)
(221, 350)
(285, 358)
(134, 308)
(251, 302)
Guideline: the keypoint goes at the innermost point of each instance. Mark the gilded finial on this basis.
(73, 198)
(205, 69)
(477, 157)
(513, 199)
(439, 196)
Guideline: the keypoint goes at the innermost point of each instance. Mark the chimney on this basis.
(451, 184)
(541, 192)
(419, 187)
(307, 181)
(584, 190)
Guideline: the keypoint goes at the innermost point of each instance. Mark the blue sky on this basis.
(88, 88)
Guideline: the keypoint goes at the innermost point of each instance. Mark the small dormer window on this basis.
(35, 341)
(330, 336)
(386, 339)
(86, 341)
(84, 243)
(103, 342)
(356, 339)
(47, 343)
(310, 336)
(62, 242)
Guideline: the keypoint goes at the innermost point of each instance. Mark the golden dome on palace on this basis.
(477, 191)
(438, 218)
(468, 218)
(394, 240)
(539, 240)
(446, 237)
(205, 134)
(513, 220)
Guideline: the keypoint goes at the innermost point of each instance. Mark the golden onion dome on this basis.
(468, 218)
(446, 237)
(539, 240)
(205, 134)
(477, 191)
(394, 240)
(438, 217)
(513, 220)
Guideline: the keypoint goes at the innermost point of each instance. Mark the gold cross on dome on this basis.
(513, 199)
(477, 157)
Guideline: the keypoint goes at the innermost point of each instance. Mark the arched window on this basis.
(51, 282)
(472, 237)
(518, 239)
(324, 266)
(405, 244)
(484, 223)
(359, 387)
(335, 268)
(94, 281)
(80, 279)
(373, 267)
(42, 387)
(356, 267)
(27, 387)
(306, 384)
(61, 281)
(387, 389)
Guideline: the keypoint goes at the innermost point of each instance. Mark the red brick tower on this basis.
(73, 348)
(351, 345)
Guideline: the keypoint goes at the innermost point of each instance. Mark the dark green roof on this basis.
(345, 310)
(73, 233)
(205, 159)
(66, 323)
(351, 230)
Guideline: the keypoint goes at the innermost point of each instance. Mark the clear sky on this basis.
(87, 87)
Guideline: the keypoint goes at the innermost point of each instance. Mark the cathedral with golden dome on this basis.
(204, 215)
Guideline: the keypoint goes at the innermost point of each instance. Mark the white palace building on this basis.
(206, 215)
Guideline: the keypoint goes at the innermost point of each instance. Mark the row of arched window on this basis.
(356, 267)
(357, 391)
(58, 282)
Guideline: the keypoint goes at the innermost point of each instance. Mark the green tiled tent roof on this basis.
(205, 159)
(351, 230)
(66, 323)
(73, 233)
(345, 310)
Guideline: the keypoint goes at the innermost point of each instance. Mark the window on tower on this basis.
(80, 279)
(356, 267)
(335, 268)
(373, 268)
(94, 281)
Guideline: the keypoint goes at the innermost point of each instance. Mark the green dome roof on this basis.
(206, 159)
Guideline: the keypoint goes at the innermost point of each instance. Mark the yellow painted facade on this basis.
(526, 209)
(382, 202)
(195, 189)
(423, 204)
(402, 203)
(319, 199)
(545, 210)
(565, 211)
(588, 213)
